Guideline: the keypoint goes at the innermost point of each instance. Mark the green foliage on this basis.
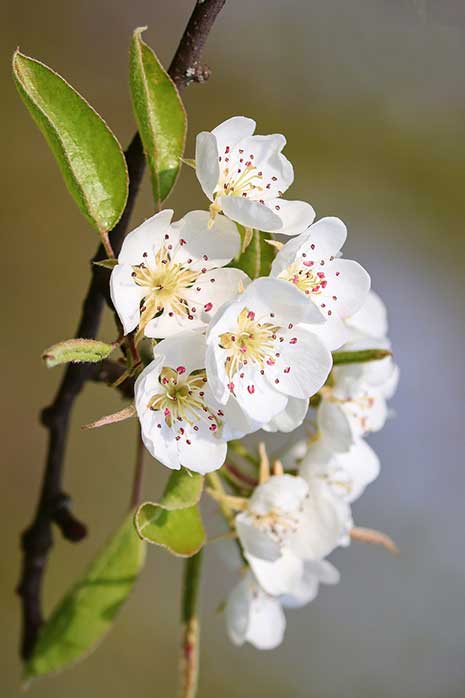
(107, 263)
(160, 116)
(77, 351)
(356, 357)
(258, 256)
(88, 610)
(88, 154)
(175, 522)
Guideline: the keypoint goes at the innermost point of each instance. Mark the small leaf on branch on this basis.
(190, 162)
(89, 156)
(120, 416)
(356, 357)
(160, 116)
(258, 256)
(77, 351)
(107, 263)
(88, 610)
(175, 522)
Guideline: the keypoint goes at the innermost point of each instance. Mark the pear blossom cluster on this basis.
(234, 355)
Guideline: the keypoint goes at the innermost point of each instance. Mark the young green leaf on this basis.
(77, 351)
(356, 357)
(88, 154)
(107, 263)
(88, 610)
(175, 522)
(160, 116)
(258, 256)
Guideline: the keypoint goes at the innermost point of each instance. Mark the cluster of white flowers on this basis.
(235, 355)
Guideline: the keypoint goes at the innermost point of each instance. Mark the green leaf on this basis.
(87, 611)
(257, 259)
(88, 154)
(175, 522)
(356, 357)
(160, 116)
(77, 351)
(107, 263)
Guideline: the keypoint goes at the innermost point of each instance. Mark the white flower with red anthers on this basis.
(286, 524)
(244, 176)
(260, 354)
(348, 473)
(338, 287)
(182, 424)
(354, 403)
(168, 277)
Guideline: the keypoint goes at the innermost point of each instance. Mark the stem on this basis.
(107, 244)
(37, 539)
(356, 357)
(138, 473)
(214, 481)
(190, 627)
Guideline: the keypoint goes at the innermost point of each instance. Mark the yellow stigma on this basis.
(252, 342)
(164, 282)
(181, 398)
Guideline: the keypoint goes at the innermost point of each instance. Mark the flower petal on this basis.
(267, 623)
(371, 319)
(201, 450)
(210, 247)
(147, 237)
(233, 130)
(250, 213)
(126, 296)
(206, 162)
(214, 288)
(254, 540)
(347, 287)
(334, 426)
(282, 493)
(186, 349)
(303, 365)
(315, 571)
(259, 400)
(281, 576)
(291, 418)
(295, 216)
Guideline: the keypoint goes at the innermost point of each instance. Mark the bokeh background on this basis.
(371, 95)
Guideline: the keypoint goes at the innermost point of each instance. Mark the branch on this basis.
(54, 505)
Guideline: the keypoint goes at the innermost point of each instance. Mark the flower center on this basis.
(305, 278)
(182, 399)
(165, 282)
(277, 525)
(251, 342)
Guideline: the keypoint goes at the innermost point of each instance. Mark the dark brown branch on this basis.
(54, 506)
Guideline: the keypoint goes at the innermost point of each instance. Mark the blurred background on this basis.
(371, 96)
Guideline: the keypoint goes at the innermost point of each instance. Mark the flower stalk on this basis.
(189, 665)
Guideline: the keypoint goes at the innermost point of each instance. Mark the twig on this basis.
(190, 627)
(138, 473)
(37, 540)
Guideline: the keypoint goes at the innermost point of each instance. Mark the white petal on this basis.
(216, 372)
(289, 305)
(256, 541)
(291, 418)
(315, 571)
(236, 422)
(211, 247)
(166, 325)
(362, 465)
(206, 162)
(265, 154)
(213, 289)
(267, 623)
(201, 451)
(259, 400)
(334, 426)
(333, 333)
(303, 365)
(347, 287)
(237, 611)
(233, 130)
(126, 296)
(250, 213)
(324, 520)
(147, 237)
(295, 216)
(186, 350)
(282, 493)
(278, 577)
(371, 318)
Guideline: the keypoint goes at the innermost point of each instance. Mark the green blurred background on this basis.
(371, 96)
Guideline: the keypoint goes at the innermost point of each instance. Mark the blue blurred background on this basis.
(371, 96)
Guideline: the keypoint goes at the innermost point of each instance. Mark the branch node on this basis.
(71, 528)
(197, 73)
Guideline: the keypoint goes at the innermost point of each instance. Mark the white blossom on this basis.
(182, 423)
(259, 353)
(244, 176)
(370, 321)
(287, 524)
(169, 276)
(338, 287)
